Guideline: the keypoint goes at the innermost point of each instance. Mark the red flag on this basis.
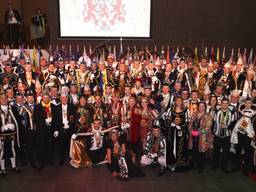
(168, 55)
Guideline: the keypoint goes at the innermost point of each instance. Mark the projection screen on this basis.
(105, 18)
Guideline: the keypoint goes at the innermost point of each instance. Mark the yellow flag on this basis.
(196, 56)
(218, 55)
(34, 58)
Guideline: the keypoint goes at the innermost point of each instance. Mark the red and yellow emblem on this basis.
(177, 120)
(104, 14)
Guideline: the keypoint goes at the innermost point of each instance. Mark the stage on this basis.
(99, 179)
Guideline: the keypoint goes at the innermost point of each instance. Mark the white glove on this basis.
(48, 120)
(11, 126)
(178, 127)
(56, 134)
(232, 149)
(62, 81)
(152, 155)
(95, 88)
(92, 77)
(126, 126)
(65, 124)
(74, 136)
(154, 79)
(3, 128)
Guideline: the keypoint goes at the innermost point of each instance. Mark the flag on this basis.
(238, 53)
(121, 45)
(196, 56)
(231, 59)
(168, 55)
(77, 48)
(244, 58)
(212, 54)
(90, 49)
(70, 50)
(84, 52)
(250, 59)
(224, 54)
(206, 51)
(114, 52)
(34, 53)
(39, 53)
(172, 53)
(27, 54)
(155, 53)
(22, 51)
(218, 55)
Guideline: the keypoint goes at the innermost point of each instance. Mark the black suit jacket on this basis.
(39, 117)
(16, 15)
(23, 79)
(58, 123)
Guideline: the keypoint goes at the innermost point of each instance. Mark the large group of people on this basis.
(138, 109)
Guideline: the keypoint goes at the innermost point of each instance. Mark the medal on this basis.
(243, 124)
(177, 120)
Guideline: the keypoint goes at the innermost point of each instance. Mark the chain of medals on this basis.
(224, 118)
(5, 116)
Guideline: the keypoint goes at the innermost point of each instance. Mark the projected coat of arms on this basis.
(104, 14)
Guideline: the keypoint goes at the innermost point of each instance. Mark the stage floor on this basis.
(99, 179)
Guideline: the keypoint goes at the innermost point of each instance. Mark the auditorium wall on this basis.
(174, 22)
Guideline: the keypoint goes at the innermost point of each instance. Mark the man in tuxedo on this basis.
(64, 126)
(43, 118)
(227, 79)
(20, 117)
(54, 92)
(12, 19)
(30, 131)
(170, 75)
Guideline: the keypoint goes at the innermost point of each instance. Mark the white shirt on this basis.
(65, 116)
(74, 98)
(12, 19)
(97, 140)
(166, 100)
(247, 89)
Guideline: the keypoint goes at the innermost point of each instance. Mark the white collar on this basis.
(64, 106)
(4, 107)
